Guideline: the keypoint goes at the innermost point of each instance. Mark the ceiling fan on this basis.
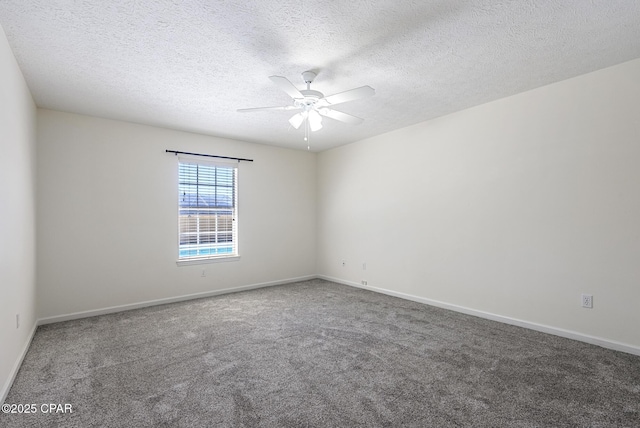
(313, 104)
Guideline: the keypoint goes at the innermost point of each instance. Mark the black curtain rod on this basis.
(208, 156)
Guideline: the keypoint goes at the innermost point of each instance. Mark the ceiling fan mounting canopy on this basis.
(314, 104)
(308, 76)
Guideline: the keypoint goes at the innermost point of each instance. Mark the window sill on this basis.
(204, 260)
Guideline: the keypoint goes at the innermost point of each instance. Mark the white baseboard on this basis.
(129, 306)
(16, 366)
(569, 334)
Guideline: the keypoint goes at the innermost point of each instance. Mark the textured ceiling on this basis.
(190, 64)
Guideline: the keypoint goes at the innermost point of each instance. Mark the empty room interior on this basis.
(317, 213)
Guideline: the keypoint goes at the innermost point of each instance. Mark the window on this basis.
(207, 210)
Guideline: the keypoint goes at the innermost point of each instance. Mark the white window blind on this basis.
(207, 205)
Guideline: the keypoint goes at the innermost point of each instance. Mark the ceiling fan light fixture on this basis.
(297, 119)
(315, 121)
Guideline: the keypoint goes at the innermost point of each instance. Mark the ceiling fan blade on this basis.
(342, 117)
(247, 110)
(350, 95)
(284, 84)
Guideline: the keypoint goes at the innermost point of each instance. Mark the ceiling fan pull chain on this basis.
(306, 132)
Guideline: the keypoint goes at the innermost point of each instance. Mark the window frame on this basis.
(200, 259)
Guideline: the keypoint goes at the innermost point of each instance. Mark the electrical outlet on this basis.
(344, 263)
(364, 282)
(587, 301)
(204, 273)
(17, 320)
(364, 266)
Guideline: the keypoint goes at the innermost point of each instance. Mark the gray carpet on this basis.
(317, 354)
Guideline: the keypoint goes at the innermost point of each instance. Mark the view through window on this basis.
(207, 204)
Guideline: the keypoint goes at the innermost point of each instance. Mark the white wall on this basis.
(513, 208)
(17, 214)
(107, 214)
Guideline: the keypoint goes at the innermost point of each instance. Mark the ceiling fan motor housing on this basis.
(311, 97)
